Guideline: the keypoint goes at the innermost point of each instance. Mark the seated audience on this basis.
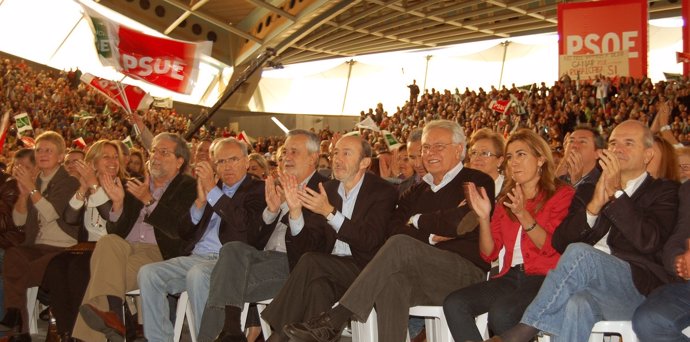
(628, 220)
(531, 206)
(38, 211)
(67, 274)
(143, 228)
(408, 270)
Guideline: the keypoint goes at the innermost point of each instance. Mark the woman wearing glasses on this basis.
(486, 155)
(531, 205)
(68, 273)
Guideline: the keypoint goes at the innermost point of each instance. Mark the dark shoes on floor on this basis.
(319, 329)
(225, 336)
(106, 322)
(25, 337)
(12, 320)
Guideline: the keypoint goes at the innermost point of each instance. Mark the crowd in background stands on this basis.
(57, 100)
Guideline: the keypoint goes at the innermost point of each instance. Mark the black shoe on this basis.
(319, 329)
(12, 320)
(225, 336)
(25, 337)
(45, 314)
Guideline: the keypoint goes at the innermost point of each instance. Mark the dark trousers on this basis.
(504, 298)
(405, 273)
(65, 280)
(316, 283)
(664, 314)
(23, 268)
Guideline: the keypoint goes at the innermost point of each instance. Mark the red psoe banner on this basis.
(603, 27)
(168, 63)
(128, 97)
(685, 11)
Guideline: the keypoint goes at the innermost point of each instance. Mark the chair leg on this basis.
(182, 304)
(32, 309)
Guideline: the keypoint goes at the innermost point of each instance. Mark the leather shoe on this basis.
(225, 336)
(106, 322)
(318, 329)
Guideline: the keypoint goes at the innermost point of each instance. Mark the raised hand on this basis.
(290, 190)
(575, 167)
(113, 188)
(87, 175)
(478, 200)
(139, 189)
(517, 201)
(610, 165)
(200, 201)
(273, 199)
(25, 180)
(316, 201)
(205, 174)
(682, 262)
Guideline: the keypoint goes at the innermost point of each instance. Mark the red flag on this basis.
(129, 97)
(500, 106)
(168, 63)
(243, 137)
(79, 143)
(682, 57)
(28, 142)
(4, 127)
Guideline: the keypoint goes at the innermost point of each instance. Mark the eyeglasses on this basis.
(161, 152)
(685, 167)
(227, 161)
(438, 147)
(483, 154)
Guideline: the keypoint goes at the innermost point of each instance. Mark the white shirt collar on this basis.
(632, 185)
(449, 176)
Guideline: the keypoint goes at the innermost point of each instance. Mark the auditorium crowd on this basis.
(573, 193)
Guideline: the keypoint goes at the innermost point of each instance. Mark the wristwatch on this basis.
(331, 215)
(151, 201)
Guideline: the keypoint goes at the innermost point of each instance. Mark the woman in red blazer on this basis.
(531, 205)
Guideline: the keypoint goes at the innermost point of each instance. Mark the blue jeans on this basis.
(664, 315)
(586, 286)
(157, 280)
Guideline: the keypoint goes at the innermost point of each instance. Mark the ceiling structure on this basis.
(309, 30)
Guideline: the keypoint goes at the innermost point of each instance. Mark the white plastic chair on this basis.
(623, 328)
(260, 306)
(184, 310)
(32, 308)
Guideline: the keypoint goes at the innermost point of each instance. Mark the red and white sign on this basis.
(129, 97)
(168, 63)
(685, 11)
(604, 27)
(500, 106)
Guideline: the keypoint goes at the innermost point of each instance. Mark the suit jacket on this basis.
(442, 215)
(676, 244)
(365, 231)
(166, 219)
(58, 192)
(239, 215)
(638, 228)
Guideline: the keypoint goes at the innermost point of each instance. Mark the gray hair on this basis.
(415, 135)
(313, 141)
(458, 134)
(647, 135)
(216, 145)
(181, 149)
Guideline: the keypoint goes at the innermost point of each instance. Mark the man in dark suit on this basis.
(38, 212)
(357, 206)
(225, 210)
(666, 312)
(613, 259)
(255, 270)
(409, 269)
(143, 228)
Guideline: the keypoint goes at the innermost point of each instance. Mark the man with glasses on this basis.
(408, 270)
(225, 210)
(255, 271)
(143, 227)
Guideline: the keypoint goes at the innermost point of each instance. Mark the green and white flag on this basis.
(23, 122)
(128, 142)
(389, 139)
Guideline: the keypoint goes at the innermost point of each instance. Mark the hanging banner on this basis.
(130, 98)
(168, 63)
(590, 66)
(604, 27)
